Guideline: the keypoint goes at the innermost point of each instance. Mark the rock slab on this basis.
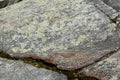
(68, 33)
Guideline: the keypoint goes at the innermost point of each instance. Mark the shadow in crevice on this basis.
(113, 4)
(72, 75)
(5, 3)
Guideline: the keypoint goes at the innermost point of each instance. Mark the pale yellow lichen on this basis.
(114, 78)
(21, 50)
(112, 27)
(110, 60)
(42, 2)
(1, 62)
(52, 46)
(8, 65)
(62, 47)
(14, 37)
(80, 39)
(118, 64)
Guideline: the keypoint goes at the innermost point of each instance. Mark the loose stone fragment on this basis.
(68, 33)
(17, 70)
(108, 69)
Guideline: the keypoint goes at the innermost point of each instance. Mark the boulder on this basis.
(68, 33)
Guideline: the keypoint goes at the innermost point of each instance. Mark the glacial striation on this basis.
(68, 33)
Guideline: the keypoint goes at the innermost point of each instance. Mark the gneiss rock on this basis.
(108, 69)
(17, 70)
(68, 33)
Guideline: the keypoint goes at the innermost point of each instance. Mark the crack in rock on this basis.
(17, 70)
(64, 33)
(107, 10)
(106, 69)
(4, 3)
(71, 34)
(71, 75)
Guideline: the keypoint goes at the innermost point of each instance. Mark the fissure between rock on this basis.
(113, 20)
(72, 75)
(5, 3)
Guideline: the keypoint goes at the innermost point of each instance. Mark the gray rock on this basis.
(10, 2)
(108, 10)
(4, 3)
(114, 3)
(68, 33)
(17, 70)
(107, 69)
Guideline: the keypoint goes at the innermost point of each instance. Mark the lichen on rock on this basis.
(68, 33)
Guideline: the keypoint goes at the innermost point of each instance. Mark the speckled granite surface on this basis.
(68, 33)
(114, 3)
(17, 70)
(108, 69)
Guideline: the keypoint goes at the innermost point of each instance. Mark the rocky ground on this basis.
(79, 38)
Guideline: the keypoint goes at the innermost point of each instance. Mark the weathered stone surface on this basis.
(10, 2)
(4, 3)
(108, 10)
(114, 3)
(118, 20)
(68, 33)
(17, 70)
(108, 69)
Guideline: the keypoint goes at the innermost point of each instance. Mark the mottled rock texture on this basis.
(106, 9)
(10, 2)
(68, 33)
(17, 70)
(114, 3)
(107, 69)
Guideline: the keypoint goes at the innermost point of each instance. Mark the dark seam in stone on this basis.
(107, 55)
(112, 20)
(4, 3)
(72, 75)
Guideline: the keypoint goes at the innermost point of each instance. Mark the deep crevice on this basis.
(114, 20)
(5, 3)
(72, 75)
